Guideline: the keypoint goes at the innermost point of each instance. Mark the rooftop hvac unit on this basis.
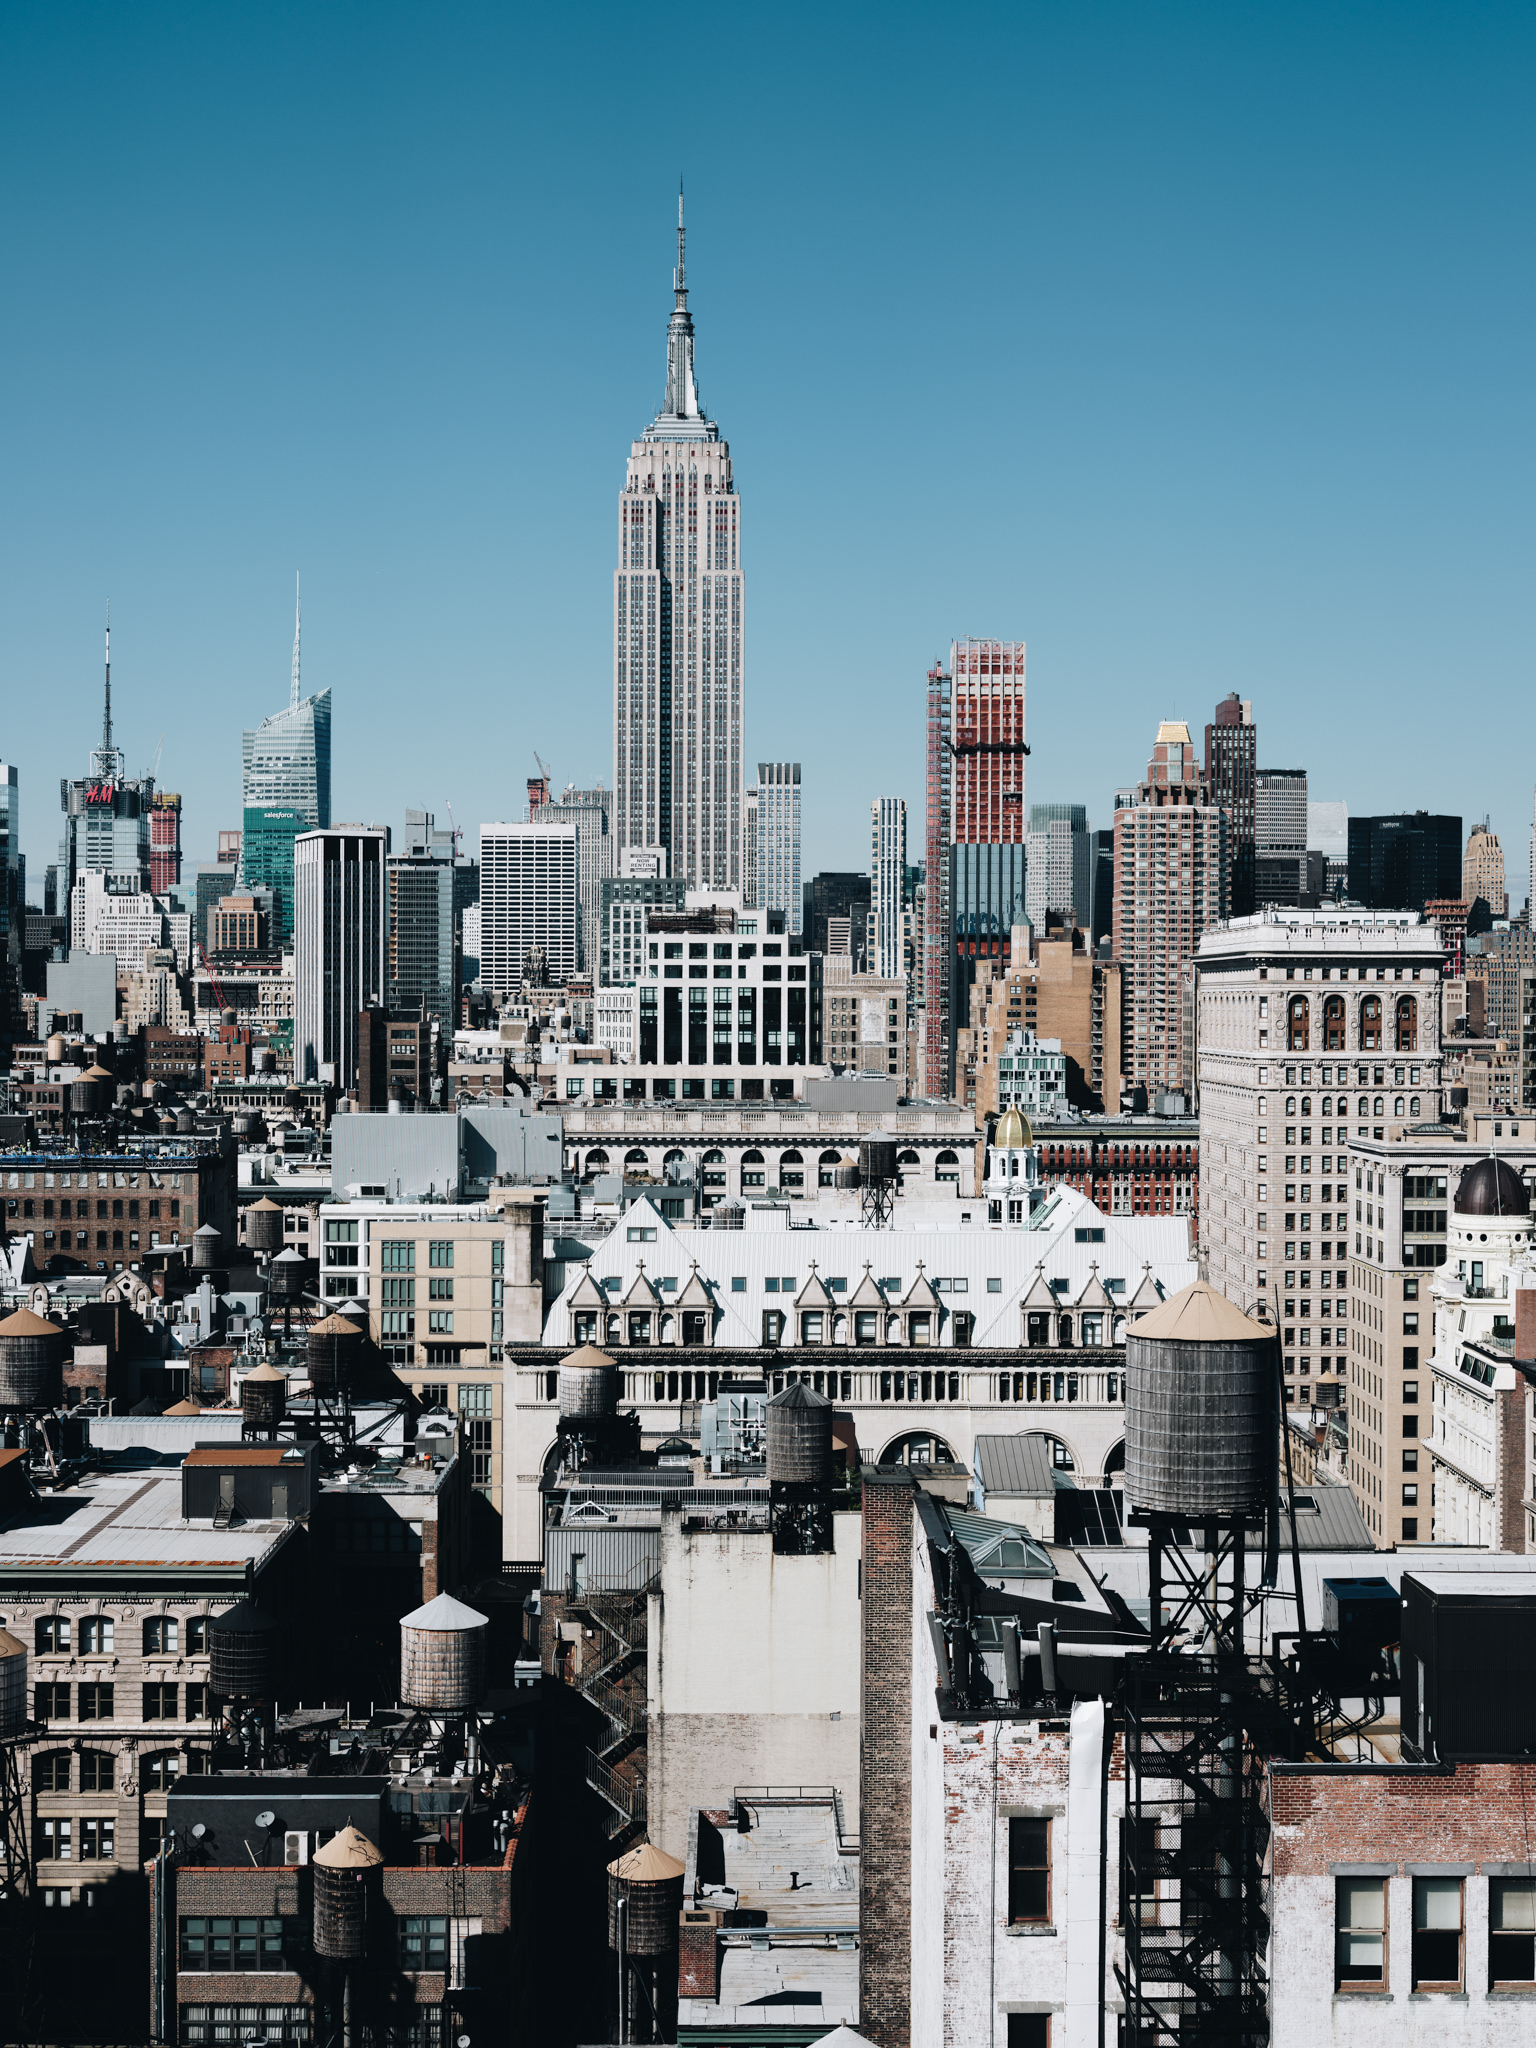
(296, 1846)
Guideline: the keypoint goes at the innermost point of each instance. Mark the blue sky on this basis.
(1190, 344)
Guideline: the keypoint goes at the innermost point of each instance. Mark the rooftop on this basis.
(129, 1521)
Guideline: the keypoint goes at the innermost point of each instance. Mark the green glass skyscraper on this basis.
(285, 790)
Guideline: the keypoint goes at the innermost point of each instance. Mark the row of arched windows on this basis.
(1299, 1024)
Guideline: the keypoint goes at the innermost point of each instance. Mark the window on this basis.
(52, 1634)
(254, 1944)
(98, 1770)
(433, 1394)
(396, 1255)
(162, 1635)
(162, 1771)
(423, 1942)
(1029, 2030)
(50, 1702)
(197, 1703)
(57, 1840)
(95, 1635)
(96, 1838)
(159, 1703)
(1029, 1870)
(441, 1252)
(440, 1290)
(1437, 1933)
(50, 1771)
(441, 1321)
(1360, 1915)
(95, 1702)
(995, 1286)
(1511, 1931)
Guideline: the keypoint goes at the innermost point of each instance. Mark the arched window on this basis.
(791, 1170)
(1397, 1105)
(752, 1174)
(713, 1167)
(1297, 1025)
(1064, 1330)
(917, 1448)
(635, 1157)
(908, 1161)
(1114, 1464)
(1407, 1024)
(1370, 1024)
(1062, 1459)
(162, 1635)
(1413, 1106)
(947, 1168)
(826, 1167)
(1333, 1024)
(50, 1771)
(597, 1162)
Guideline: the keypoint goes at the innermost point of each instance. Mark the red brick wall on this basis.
(698, 1962)
(1525, 1324)
(1466, 1813)
(1510, 1491)
(885, 1769)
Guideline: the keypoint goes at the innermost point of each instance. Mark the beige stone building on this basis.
(1054, 987)
(1482, 870)
(864, 1019)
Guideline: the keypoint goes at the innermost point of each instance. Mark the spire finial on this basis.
(293, 695)
(106, 721)
(679, 284)
(682, 399)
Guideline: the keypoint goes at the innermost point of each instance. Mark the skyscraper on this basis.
(1058, 876)
(1482, 870)
(340, 968)
(529, 905)
(1279, 836)
(678, 632)
(423, 926)
(590, 811)
(285, 789)
(976, 844)
(164, 841)
(1402, 862)
(778, 841)
(1171, 872)
(887, 884)
(106, 812)
(1231, 758)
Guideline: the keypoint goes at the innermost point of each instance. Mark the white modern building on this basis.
(679, 686)
(1312, 1027)
(887, 886)
(529, 903)
(778, 841)
(113, 913)
(340, 928)
(1032, 1076)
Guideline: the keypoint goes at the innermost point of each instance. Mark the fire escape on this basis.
(613, 1678)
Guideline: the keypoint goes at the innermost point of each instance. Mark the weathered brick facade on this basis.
(885, 1771)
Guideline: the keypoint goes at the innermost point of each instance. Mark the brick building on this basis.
(1125, 1165)
(102, 1212)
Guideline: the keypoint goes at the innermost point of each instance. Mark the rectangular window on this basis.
(1029, 1871)
(58, 1840)
(96, 1837)
(96, 1635)
(159, 1703)
(397, 1255)
(1437, 1933)
(1360, 1917)
(52, 1634)
(424, 1942)
(248, 1944)
(95, 1702)
(1511, 1930)
(440, 1290)
(50, 1702)
(441, 1252)
(1029, 2030)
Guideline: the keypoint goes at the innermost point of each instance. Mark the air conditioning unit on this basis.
(296, 1846)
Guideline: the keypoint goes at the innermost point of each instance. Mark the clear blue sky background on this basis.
(1191, 344)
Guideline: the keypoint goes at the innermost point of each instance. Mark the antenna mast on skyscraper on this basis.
(293, 695)
(106, 721)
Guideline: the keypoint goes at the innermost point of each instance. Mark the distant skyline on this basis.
(1189, 346)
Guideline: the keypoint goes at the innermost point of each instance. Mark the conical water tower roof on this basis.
(445, 1613)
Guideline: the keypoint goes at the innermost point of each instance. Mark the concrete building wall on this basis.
(753, 1671)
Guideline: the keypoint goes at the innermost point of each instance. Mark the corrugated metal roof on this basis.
(124, 1519)
(1016, 1465)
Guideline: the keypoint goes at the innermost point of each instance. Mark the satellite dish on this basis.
(198, 1832)
(265, 1820)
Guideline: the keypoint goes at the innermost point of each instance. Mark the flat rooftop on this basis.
(127, 1520)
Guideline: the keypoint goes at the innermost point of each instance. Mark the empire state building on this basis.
(677, 633)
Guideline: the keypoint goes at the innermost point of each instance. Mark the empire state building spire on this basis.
(682, 399)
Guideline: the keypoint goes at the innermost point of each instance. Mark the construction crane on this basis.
(213, 979)
(154, 773)
(454, 830)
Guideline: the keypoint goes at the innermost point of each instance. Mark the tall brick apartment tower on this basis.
(1231, 776)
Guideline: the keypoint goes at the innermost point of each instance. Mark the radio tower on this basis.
(107, 761)
(293, 694)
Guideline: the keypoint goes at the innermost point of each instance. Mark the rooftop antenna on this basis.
(293, 695)
(106, 722)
